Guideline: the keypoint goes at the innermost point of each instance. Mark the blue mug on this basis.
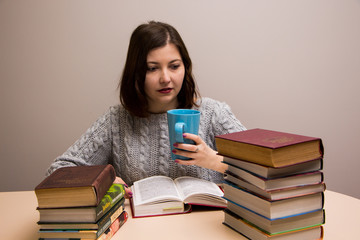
(182, 121)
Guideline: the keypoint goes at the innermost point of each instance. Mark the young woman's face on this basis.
(164, 78)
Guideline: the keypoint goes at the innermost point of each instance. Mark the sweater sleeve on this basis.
(92, 148)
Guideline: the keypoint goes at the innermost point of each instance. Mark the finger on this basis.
(196, 148)
(128, 193)
(196, 138)
(186, 147)
(188, 152)
(185, 162)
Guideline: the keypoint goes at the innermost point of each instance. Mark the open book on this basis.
(160, 195)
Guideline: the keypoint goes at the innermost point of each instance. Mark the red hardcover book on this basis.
(75, 186)
(269, 148)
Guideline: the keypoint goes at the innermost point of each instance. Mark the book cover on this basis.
(75, 186)
(269, 148)
(115, 226)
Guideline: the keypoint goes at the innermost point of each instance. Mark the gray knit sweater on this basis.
(139, 147)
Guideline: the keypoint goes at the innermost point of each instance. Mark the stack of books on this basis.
(80, 202)
(274, 184)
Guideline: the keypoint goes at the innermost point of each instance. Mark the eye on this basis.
(152, 68)
(174, 66)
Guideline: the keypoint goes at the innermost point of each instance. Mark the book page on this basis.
(189, 185)
(154, 189)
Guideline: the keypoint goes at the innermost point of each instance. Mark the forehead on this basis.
(167, 53)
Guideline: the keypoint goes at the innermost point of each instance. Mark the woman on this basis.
(133, 136)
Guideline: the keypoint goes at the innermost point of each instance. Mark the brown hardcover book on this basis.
(75, 186)
(269, 148)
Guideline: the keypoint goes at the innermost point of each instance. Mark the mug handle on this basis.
(179, 131)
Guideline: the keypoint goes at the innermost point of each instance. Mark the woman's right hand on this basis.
(128, 193)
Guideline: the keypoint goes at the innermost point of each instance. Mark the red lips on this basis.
(165, 90)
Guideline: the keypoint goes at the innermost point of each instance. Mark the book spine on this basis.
(115, 193)
(109, 232)
(104, 181)
(115, 226)
(105, 222)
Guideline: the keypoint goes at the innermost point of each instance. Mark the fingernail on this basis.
(174, 151)
(175, 145)
(184, 135)
(177, 161)
(125, 185)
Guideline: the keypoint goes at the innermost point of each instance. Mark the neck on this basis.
(162, 108)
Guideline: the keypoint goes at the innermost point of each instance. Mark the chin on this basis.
(169, 103)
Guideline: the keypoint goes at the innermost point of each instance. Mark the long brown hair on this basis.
(145, 38)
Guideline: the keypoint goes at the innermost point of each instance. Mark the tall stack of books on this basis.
(80, 202)
(274, 184)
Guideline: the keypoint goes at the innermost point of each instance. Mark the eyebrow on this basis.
(175, 60)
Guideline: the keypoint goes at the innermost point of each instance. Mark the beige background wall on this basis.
(283, 65)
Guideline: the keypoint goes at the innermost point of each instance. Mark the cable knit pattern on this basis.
(163, 148)
(140, 147)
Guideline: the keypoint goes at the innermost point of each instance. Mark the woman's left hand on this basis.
(201, 154)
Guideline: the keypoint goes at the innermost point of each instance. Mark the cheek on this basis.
(180, 78)
(148, 85)
(151, 79)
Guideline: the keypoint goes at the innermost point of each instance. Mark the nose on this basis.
(165, 76)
